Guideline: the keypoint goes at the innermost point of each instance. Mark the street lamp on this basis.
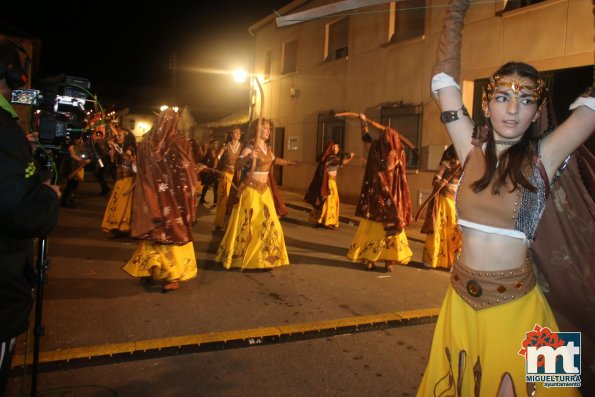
(240, 77)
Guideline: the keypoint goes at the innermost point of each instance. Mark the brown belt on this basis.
(483, 289)
(332, 177)
(259, 186)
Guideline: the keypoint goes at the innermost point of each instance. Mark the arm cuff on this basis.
(442, 80)
(583, 101)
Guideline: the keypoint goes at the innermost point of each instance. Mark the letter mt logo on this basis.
(553, 358)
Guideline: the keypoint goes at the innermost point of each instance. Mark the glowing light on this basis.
(240, 76)
(163, 107)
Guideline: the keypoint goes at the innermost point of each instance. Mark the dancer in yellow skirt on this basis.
(226, 159)
(443, 240)
(116, 218)
(493, 302)
(164, 206)
(384, 204)
(254, 237)
(322, 193)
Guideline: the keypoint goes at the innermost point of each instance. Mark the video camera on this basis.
(60, 115)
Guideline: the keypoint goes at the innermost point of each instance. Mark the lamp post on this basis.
(240, 77)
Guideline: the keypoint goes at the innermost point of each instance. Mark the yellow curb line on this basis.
(224, 336)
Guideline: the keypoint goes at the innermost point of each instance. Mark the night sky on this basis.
(123, 48)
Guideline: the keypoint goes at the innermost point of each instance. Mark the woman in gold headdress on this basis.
(493, 311)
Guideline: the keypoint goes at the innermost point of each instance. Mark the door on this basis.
(279, 145)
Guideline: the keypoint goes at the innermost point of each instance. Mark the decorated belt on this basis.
(483, 289)
(259, 186)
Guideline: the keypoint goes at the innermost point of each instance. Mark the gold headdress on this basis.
(516, 85)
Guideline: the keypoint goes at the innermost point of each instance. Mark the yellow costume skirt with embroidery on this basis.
(442, 246)
(371, 244)
(222, 197)
(254, 238)
(166, 262)
(119, 207)
(485, 343)
(329, 214)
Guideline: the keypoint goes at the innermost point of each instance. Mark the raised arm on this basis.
(446, 78)
(365, 121)
(569, 135)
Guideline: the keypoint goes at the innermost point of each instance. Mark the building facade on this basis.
(377, 60)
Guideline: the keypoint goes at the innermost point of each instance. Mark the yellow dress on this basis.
(462, 332)
(166, 262)
(254, 237)
(225, 181)
(328, 215)
(371, 244)
(442, 246)
(119, 207)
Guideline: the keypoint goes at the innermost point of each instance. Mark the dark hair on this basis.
(367, 138)
(450, 154)
(513, 161)
(229, 136)
(129, 141)
(254, 126)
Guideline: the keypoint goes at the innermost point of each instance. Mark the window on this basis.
(408, 19)
(267, 64)
(329, 127)
(407, 120)
(514, 4)
(290, 49)
(337, 40)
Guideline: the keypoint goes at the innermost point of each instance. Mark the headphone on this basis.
(10, 63)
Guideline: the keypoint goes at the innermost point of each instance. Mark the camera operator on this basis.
(28, 209)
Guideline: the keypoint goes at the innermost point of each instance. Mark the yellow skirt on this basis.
(442, 246)
(329, 214)
(163, 262)
(254, 238)
(80, 174)
(371, 244)
(119, 207)
(491, 336)
(222, 197)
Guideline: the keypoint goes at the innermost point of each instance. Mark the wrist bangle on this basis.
(452, 115)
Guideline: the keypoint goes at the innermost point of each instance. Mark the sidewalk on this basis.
(347, 214)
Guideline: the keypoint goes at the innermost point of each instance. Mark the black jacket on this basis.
(28, 209)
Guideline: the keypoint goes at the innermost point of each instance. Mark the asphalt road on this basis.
(328, 317)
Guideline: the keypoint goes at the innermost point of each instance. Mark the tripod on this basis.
(42, 265)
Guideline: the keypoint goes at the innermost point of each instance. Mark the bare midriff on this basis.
(491, 252)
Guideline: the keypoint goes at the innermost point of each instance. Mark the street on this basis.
(321, 326)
